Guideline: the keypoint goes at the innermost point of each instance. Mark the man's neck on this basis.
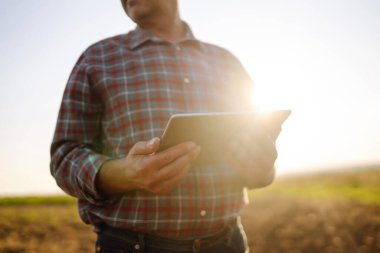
(169, 29)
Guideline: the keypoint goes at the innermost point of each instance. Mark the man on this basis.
(118, 100)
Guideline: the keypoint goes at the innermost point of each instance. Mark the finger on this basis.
(262, 151)
(267, 146)
(170, 184)
(262, 141)
(175, 167)
(246, 137)
(258, 164)
(265, 129)
(266, 156)
(145, 147)
(169, 155)
(151, 167)
(171, 174)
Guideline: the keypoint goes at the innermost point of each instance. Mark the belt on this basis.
(139, 241)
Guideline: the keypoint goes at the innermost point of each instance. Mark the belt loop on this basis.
(196, 246)
(142, 240)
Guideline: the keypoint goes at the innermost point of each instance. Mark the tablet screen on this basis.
(215, 131)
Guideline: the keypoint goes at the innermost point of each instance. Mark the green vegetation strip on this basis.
(363, 195)
(36, 200)
(363, 187)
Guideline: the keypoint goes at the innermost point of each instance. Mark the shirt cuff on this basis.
(91, 193)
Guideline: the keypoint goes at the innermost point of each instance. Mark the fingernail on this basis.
(152, 142)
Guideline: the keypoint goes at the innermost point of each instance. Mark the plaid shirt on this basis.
(123, 90)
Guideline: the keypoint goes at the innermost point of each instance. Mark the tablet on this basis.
(215, 131)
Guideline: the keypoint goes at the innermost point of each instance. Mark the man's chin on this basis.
(137, 14)
(140, 18)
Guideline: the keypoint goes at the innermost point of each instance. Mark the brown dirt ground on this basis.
(273, 225)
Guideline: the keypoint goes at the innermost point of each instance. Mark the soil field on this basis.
(325, 213)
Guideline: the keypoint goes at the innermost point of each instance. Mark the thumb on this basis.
(145, 147)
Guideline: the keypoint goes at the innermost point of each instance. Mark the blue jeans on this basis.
(110, 241)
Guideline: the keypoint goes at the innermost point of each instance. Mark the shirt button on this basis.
(178, 48)
(186, 80)
(203, 213)
(137, 246)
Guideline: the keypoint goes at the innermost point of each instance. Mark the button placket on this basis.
(185, 79)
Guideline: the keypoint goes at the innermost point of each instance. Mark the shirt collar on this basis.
(140, 36)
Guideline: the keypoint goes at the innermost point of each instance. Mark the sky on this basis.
(321, 59)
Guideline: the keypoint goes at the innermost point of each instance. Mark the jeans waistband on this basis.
(141, 240)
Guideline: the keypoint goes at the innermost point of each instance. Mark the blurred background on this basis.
(320, 59)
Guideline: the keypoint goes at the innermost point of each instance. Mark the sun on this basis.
(264, 98)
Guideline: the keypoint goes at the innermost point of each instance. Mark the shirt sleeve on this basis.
(76, 149)
(243, 85)
(243, 95)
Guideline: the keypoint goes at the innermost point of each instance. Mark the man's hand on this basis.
(253, 155)
(144, 169)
